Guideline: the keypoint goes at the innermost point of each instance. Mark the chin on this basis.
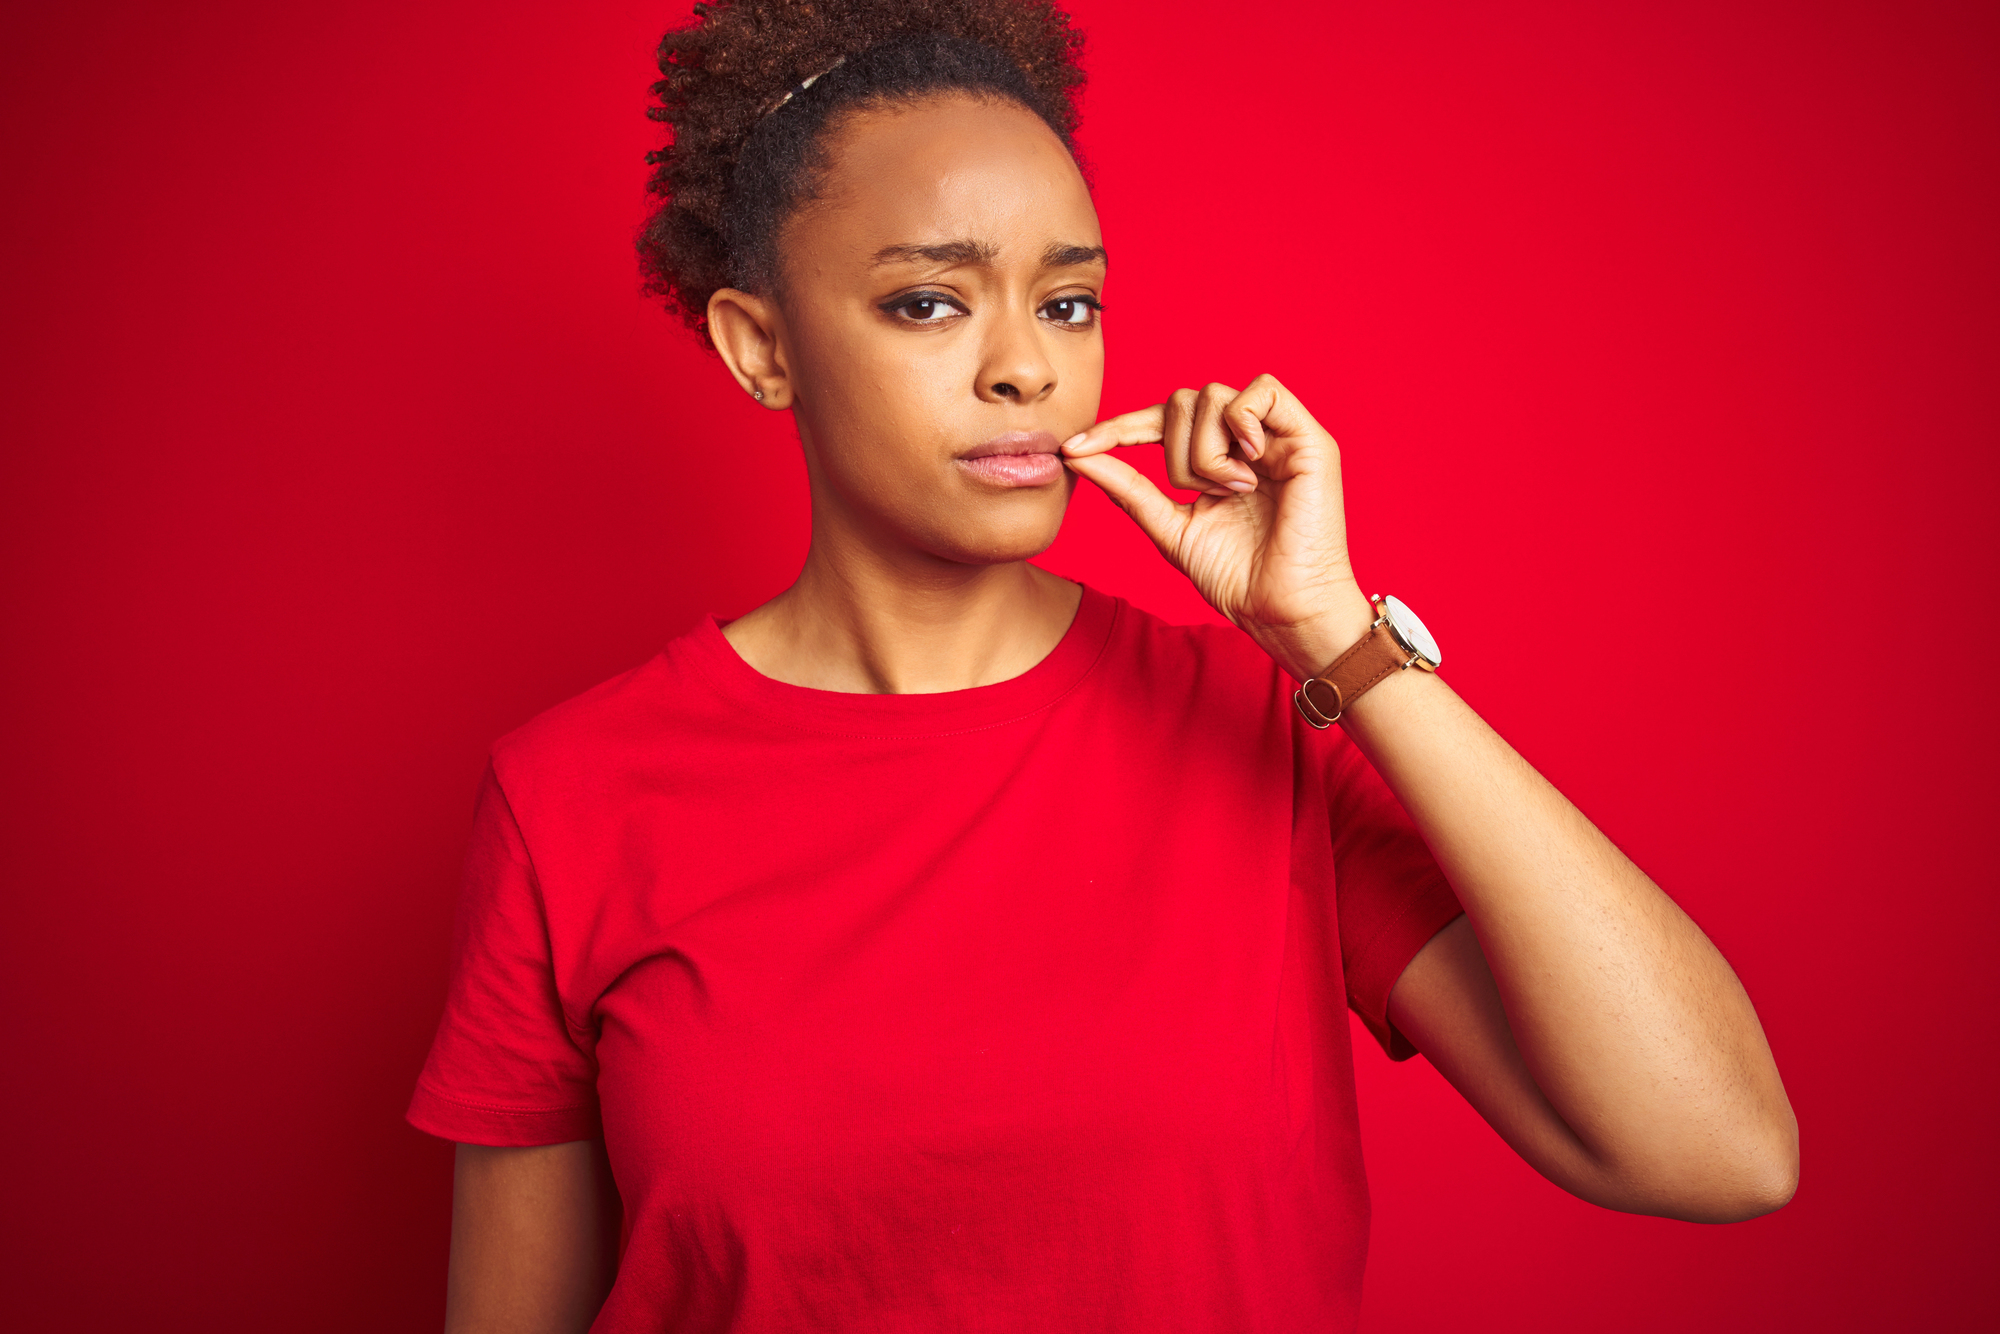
(998, 535)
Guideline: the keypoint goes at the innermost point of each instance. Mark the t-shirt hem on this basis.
(501, 1127)
(1375, 969)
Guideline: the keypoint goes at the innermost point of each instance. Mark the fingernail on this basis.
(1075, 440)
(1240, 487)
(1250, 451)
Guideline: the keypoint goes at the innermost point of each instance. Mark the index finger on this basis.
(1144, 427)
(1266, 408)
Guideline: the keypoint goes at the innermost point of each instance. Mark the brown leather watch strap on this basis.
(1325, 697)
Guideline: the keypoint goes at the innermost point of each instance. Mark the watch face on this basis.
(1403, 623)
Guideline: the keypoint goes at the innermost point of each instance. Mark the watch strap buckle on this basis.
(1317, 717)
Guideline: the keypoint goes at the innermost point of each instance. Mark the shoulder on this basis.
(634, 717)
(1215, 682)
(1208, 686)
(1214, 655)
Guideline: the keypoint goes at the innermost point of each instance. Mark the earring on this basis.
(757, 394)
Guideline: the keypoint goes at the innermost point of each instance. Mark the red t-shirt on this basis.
(1015, 1008)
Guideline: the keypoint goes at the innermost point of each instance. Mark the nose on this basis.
(1016, 366)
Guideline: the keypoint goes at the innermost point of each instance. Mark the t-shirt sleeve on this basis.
(1392, 897)
(504, 1068)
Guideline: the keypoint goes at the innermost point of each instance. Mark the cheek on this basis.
(1083, 379)
(884, 409)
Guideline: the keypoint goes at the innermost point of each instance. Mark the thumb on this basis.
(1158, 517)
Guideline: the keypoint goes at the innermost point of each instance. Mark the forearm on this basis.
(1633, 1026)
(1640, 1064)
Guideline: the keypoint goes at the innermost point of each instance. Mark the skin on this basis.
(534, 1238)
(1575, 1006)
(917, 579)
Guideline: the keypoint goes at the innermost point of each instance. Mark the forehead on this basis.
(946, 168)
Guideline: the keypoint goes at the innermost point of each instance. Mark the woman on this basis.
(944, 945)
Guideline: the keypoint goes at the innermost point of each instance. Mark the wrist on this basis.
(1305, 645)
(1396, 640)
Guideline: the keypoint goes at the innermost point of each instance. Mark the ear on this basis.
(745, 328)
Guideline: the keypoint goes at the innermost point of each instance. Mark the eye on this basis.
(1075, 312)
(925, 308)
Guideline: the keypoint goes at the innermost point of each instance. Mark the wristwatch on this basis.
(1397, 640)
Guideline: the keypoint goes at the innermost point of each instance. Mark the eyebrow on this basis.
(944, 252)
(1058, 256)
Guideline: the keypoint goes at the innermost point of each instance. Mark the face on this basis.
(938, 332)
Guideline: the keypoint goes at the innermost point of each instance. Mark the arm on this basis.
(1575, 1006)
(1449, 1005)
(534, 1239)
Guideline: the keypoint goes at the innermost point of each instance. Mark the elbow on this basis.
(1726, 1176)
(1759, 1177)
(1775, 1193)
(1765, 1189)
(1772, 1177)
(1705, 1197)
(1765, 1172)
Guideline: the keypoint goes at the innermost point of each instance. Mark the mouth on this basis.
(1018, 458)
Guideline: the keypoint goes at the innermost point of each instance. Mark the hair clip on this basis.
(804, 84)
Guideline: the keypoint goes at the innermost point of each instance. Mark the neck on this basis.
(866, 621)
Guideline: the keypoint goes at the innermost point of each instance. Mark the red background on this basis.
(1661, 341)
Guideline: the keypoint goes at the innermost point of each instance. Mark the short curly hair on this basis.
(735, 169)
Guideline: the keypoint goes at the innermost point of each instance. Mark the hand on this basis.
(1266, 543)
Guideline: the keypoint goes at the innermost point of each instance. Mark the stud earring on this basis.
(757, 394)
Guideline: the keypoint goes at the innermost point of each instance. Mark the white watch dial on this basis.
(1403, 623)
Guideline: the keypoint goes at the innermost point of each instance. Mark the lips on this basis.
(1018, 458)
